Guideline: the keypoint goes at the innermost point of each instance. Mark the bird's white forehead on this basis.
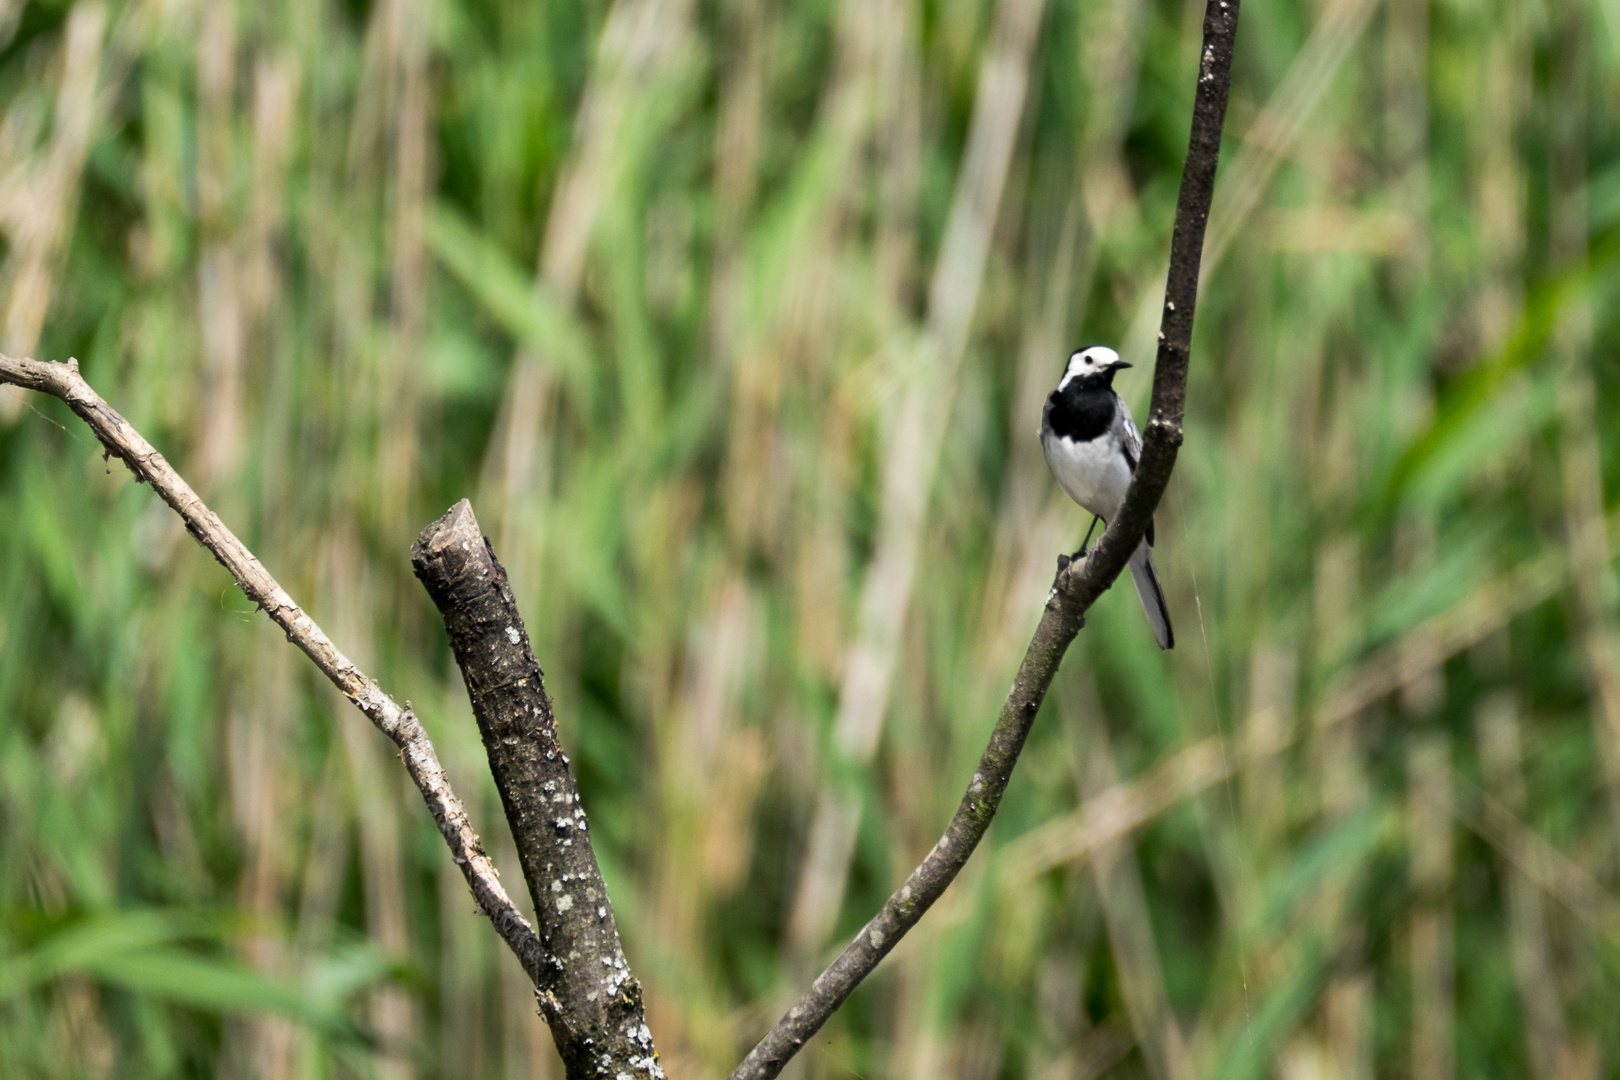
(1084, 360)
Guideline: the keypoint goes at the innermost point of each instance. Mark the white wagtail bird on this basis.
(1093, 446)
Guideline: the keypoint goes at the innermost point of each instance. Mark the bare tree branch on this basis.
(1078, 587)
(588, 995)
(598, 1016)
(399, 724)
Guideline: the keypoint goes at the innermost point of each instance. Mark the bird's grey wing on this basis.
(1130, 441)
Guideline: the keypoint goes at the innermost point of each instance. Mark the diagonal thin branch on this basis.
(399, 724)
(1078, 586)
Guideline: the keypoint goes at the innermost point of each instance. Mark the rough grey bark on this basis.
(1078, 586)
(586, 991)
(400, 724)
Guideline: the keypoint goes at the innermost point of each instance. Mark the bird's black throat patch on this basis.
(1084, 409)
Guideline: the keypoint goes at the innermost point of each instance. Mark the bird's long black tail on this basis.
(1147, 587)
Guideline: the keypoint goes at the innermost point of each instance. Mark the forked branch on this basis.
(1078, 586)
(585, 989)
(399, 724)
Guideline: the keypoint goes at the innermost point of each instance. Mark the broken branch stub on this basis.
(587, 994)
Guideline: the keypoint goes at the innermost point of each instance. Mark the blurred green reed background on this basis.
(734, 319)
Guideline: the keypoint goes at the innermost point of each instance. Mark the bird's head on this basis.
(1095, 364)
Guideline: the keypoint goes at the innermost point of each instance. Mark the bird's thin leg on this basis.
(1065, 560)
(1082, 552)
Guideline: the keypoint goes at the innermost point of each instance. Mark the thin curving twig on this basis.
(1078, 586)
(399, 724)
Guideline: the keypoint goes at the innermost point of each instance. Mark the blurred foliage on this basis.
(693, 300)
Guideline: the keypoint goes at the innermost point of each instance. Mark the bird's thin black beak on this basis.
(1117, 365)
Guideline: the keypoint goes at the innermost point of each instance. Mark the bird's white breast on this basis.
(1094, 473)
